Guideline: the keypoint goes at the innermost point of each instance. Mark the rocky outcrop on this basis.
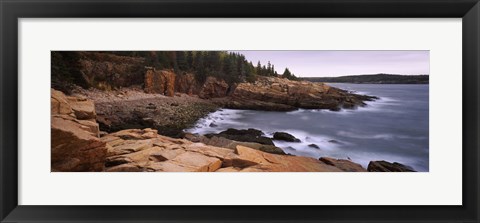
(75, 145)
(283, 136)
(213, 88)
(144, 150)
(160, 82)
(244, 135)
(232, 144)
(283, 94)
(345, 165)
(384, 166)
(245, 103)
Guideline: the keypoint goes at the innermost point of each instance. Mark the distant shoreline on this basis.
(373, 79)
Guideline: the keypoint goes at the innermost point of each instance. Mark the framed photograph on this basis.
(228, 111)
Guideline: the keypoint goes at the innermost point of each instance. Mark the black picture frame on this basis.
(11, 11)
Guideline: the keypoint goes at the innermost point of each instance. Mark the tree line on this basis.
(229, 66)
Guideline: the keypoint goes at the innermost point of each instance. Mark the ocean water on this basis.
(393, 128)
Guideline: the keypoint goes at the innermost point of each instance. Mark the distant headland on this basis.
(373, 79)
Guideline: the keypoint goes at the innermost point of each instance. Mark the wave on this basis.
(218, 121)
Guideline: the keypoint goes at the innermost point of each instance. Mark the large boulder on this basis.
(160, 82)
(213, 88)
(345, 165)
(283, 136)
(232, 144)
(384, 166)
(244, 135)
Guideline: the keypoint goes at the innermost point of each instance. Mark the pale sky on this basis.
(339, 63)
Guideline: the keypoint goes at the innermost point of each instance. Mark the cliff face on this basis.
(160, 82)
(186, 83)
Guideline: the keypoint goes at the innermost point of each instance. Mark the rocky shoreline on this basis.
(79, 145)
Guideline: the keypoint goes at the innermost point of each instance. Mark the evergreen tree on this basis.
(269, 69)
(163, 62)
(189, 59)
(182, 61)
(287, 74)
(212, 61)
(259, 68)
(200, 73)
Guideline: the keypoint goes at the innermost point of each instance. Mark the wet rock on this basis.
(283, 136)
(315, 146)
(333, 141)
(249, 132)
(384, 166)
(232, 144)
(244, 135)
